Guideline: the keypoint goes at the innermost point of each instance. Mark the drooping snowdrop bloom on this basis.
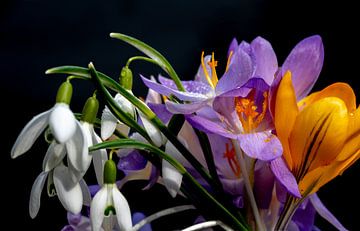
(108, 201)
(99, 157)
(60, 182)
(109, 121)
(59, 118)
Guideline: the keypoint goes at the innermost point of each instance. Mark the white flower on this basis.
(109, 122)
(109, 202)
(70, 193)
(62, 124)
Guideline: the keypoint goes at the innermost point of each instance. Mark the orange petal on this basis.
(318, 134)
(286, 111)
(339, 90)
(352, 143)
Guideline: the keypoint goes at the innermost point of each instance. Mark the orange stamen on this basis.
(232, 160)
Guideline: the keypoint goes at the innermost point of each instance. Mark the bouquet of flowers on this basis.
(249, 150)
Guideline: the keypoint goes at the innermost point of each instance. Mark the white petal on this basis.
(85, 192)
(108, 123)
(100, 157)
(123, 128)
(152, 131)
(123, 214)
(172, 178)
(171, 150)
(34, 203)
(153, 96)
(75, 175)
(54, 155)
(125, 104)
(77, 149)
(69, 194)
(109, 222)
(62, 122)
(30, 133)
(97, 209)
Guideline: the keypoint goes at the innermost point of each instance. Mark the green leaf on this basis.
(152, 53)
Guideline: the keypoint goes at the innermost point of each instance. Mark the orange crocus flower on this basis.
(320, 134)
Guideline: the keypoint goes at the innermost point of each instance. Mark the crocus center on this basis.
(233, 162)
(213, 79)
(248, 113)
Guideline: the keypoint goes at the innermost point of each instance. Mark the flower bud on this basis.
(90, 110)
(110, 172)
(64, 93)
(126, 78)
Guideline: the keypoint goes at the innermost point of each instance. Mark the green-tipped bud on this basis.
(110, 172)
(64, 93)
(90, 110)
(126, 78)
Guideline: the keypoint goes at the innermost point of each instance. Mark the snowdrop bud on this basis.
(90, 110)
(110, 172)
(126, 78)
(64, 93)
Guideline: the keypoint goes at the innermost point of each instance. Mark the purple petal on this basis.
(240, 70)
(234, 187)
(154, 176)
(233, 46)
(257, 83)
(164, 90)
(284, 176)
(240, 91)
(161, 112)
(245, 46)
(218, 147)
(200, 75)
(208, 126)
(137, 217)
(305, 62)
(74, 219)
(94, 189)
(261, 145)
(265, 58)
(68, 228)
(225, 106)
(188, 108)
(263, 184)
(238, 202)
(132, 162)
(304, 217)
(324, 212)
(190, 86)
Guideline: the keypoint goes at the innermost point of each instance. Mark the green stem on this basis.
(287, 213)
(248, 188)
(202, 192)
(146, 59)
(208, 154)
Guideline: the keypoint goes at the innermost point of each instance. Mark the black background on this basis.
(37, 34)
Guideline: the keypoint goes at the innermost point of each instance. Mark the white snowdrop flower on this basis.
(109, 202)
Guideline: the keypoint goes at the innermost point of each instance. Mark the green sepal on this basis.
(64, 93)
(126, 78)
(90, 110)
(110, 172)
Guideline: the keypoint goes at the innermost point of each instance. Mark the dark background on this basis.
(37, 34)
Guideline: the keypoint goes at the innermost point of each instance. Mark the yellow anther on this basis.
(207, 76)
(228, 61)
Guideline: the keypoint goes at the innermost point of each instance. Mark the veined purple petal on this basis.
(324, 212)
(225, 107)
(263, 184)
(188, 108)
(265, 57)
(284, 176)
(257, 83)
(161, 112)
(234, 187)
(233, 46)
(240, 91)
(240, 70)
(132, 162)
(305, 62)
(261, 145)
(164, 90)
(190, 86)
(208, 126)
(245, 46)
(304, 217)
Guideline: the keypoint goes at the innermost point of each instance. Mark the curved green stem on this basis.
(203, 193)
(146, 59)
